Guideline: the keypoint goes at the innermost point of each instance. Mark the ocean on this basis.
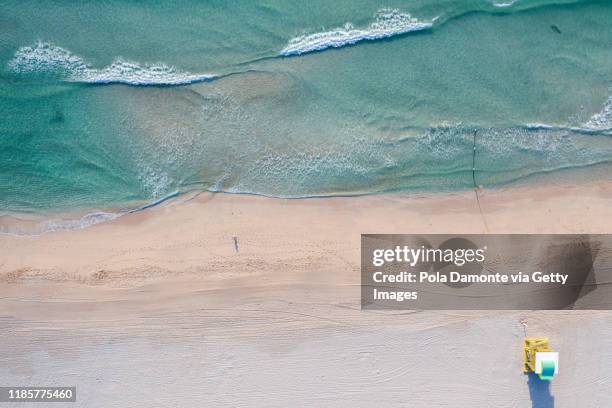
(120, 104)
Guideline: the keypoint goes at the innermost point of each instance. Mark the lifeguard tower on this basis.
(539, 358)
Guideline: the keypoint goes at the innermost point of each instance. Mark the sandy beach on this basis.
(229, 318)
(221, 236)
(270, 204)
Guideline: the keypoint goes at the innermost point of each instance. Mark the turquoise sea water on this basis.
(107, 104)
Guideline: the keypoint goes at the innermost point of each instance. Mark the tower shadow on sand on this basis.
(539, 392)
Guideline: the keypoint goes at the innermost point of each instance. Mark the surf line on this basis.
(156, 202)
(484, 220)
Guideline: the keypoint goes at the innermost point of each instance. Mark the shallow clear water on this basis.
(117, 103)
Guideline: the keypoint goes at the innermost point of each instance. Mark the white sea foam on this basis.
(24, 227)
(506, 4)
(603, 119)
(537, 126)
(83, 222)
(59, 224)
(48, 59)
(387, 23)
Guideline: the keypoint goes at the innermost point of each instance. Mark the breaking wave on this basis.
(387, 23)
(50, 60)
(603, 119)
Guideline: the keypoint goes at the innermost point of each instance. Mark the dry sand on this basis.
(165, 308)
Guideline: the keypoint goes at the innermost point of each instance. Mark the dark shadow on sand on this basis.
(539, 392)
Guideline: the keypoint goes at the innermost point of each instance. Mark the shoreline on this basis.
(37, 223)
(194, 235)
